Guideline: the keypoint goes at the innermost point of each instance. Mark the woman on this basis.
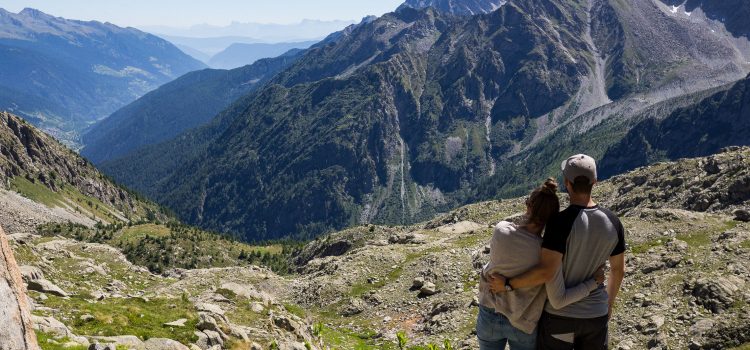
(511, 318)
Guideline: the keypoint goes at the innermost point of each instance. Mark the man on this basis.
(581, 238)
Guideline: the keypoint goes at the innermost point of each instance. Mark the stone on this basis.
(208, 340)
(87, 318)
(715, 294)
(31, 273)
(407, 238)
(286, 324)
(428, 289)
(50, 325)
(625, 345)
(98, 346)
(741, 215)
(417, 283)
(257, 308)
(712, 166)
(701, 326)
(211, 308)
(17, 332)
(178, 323)
(356, 306)
(126, 341)
(164, 344)
(45, 286)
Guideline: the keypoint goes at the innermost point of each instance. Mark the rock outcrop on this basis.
(15, 327)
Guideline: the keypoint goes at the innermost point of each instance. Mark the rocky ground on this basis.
(686, 286)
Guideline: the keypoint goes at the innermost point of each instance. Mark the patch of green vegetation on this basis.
(36, 191)
(134, 316)
(163, 246)
(702, 237)
(295, 310)
(48, 342)
(745, 244)
(345, 338)
(473, 239)
(243, 314)
(743, 347)
(645, 246)
(360, 289)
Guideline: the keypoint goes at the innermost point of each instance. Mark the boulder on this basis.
(179, 323)
(126, 341)
(17, 332)
(741, 215)
(31, 273)
(354, 307)
(45, 286)
(164, 344)
(417, 283)
(257, 308)
(210, 308)
(715, 294)
(428, 289)
(407, 238)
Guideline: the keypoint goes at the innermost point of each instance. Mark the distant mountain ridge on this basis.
(459, 7)
(64, 74)
(239, 54)
(304, 30)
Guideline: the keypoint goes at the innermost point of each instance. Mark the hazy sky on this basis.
(184, 13)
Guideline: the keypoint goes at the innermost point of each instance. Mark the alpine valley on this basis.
(405, 116)
(64, 75)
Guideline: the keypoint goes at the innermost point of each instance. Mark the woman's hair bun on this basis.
(550, 186)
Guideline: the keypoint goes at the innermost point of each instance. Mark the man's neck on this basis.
(583, 201)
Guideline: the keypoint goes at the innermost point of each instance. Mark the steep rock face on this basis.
(652, 47)
(16, 331)
(380, 142)
(63, 74)
(185, 103)
(26, 152)
(459, 7)
(720, 120)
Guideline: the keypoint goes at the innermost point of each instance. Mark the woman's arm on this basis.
(560, 297)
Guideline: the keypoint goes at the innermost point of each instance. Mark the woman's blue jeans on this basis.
(494, 331)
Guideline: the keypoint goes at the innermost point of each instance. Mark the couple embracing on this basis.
(546, 291)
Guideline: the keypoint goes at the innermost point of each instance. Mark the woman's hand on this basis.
(497, 283)
(599, 274)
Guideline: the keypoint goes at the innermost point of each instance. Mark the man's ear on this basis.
(567, 184)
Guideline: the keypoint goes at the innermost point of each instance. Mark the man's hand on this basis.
(497, 283)
(599, 275)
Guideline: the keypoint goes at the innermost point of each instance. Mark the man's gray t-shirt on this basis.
(586, 237)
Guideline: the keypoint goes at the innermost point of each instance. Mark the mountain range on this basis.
(423, 109)
(460, 7)
(305, 30)
(64, 75)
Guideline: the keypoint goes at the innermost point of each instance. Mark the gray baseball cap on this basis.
(579, 165)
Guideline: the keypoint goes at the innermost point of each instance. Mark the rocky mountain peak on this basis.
(34, 13)
(458, 7)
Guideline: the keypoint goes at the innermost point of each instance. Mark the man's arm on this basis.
(549, 262)
(616, 275)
